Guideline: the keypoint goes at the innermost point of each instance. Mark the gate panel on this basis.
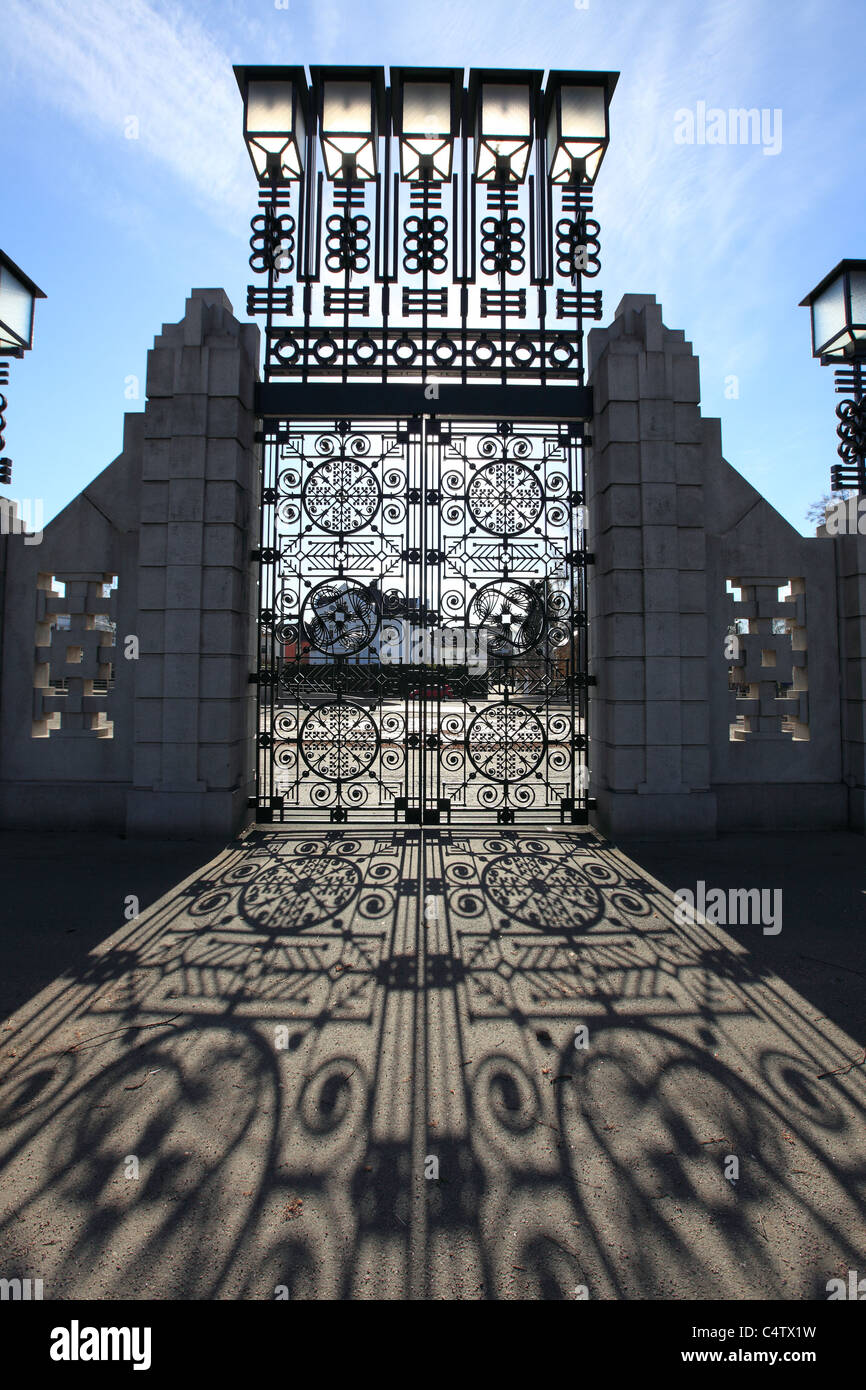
(422, 625)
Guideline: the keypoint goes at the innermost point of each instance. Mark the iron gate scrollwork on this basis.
(423, 634)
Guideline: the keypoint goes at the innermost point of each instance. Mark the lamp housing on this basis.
(838, 312)
(276, 118)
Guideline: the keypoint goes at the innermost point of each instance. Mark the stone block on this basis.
(624, 678)
(656, 419)
(662, 590)
(625, 767)
(181, 675)
(687, 425)
(660, 547)
(663, 722)
(180, 720)
(184, 543)
(624, 724)
(696, 767)
(654, 376)
(187, 457)
(182, 630)
(617, 424)
(154, 501)
(693, 634)
(226, 366)
(226, 545)
(183, 586)
(662, 678)
(186, 499)
(189, 415)
(222, 588)
(152, 544)
(218, 765)
(690, 506)
(690, 463)
(220, 721)
(623, 634)
(149, 676)
(180, 765)
(160, 373)
(191, 371)
(618, 505)
(227, 460)
(225, 502)
(151, 587)
(663, 768)
(695, 716)
(658, 504)
(656, 462)
(692, 548)
(222, 634)
(686, 379)
(662, 634)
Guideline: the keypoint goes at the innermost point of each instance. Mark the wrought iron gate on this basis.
(423, 637)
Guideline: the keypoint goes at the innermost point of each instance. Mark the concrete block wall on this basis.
(674, 528)
(173, 517)
(71, 776)
(194, 709)
(851, 587)
(649, 724)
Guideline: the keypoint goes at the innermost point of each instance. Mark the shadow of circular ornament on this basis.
(298, 893)
(542, 891)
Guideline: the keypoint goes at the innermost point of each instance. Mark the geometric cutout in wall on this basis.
(768, 674)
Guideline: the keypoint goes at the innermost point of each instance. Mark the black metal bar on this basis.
(357, 400)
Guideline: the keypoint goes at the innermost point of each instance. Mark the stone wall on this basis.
(127, 633)
(699, 586)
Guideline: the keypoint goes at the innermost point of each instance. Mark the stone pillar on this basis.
(851, 575)
(649, 715)
(193, 765)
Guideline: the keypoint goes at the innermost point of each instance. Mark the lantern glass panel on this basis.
(583, 113)
(272, 129)
(347, 108)
(505, 112)
(269, 108)
(427, 109)
(828, 316)
(16, 311)
(426, 142)
(578, 133)
(858, 303)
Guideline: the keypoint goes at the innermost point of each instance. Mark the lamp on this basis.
(350, 104)
(276, 111)
(426, 120)
(503, 103)
(18, 296)
(838, 310)
(577, 117)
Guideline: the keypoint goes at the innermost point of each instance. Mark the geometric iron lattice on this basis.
(423, 642)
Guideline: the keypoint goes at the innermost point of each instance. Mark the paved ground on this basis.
(345, 1063)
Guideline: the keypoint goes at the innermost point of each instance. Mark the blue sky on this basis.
(729, 239)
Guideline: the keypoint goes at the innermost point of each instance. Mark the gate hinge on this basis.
(255, 555)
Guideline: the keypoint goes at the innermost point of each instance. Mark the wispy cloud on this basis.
(104, 62)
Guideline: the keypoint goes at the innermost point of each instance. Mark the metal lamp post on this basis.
(18, 295)
(838, 312)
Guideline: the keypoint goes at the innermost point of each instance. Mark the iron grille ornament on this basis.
(385, 533)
